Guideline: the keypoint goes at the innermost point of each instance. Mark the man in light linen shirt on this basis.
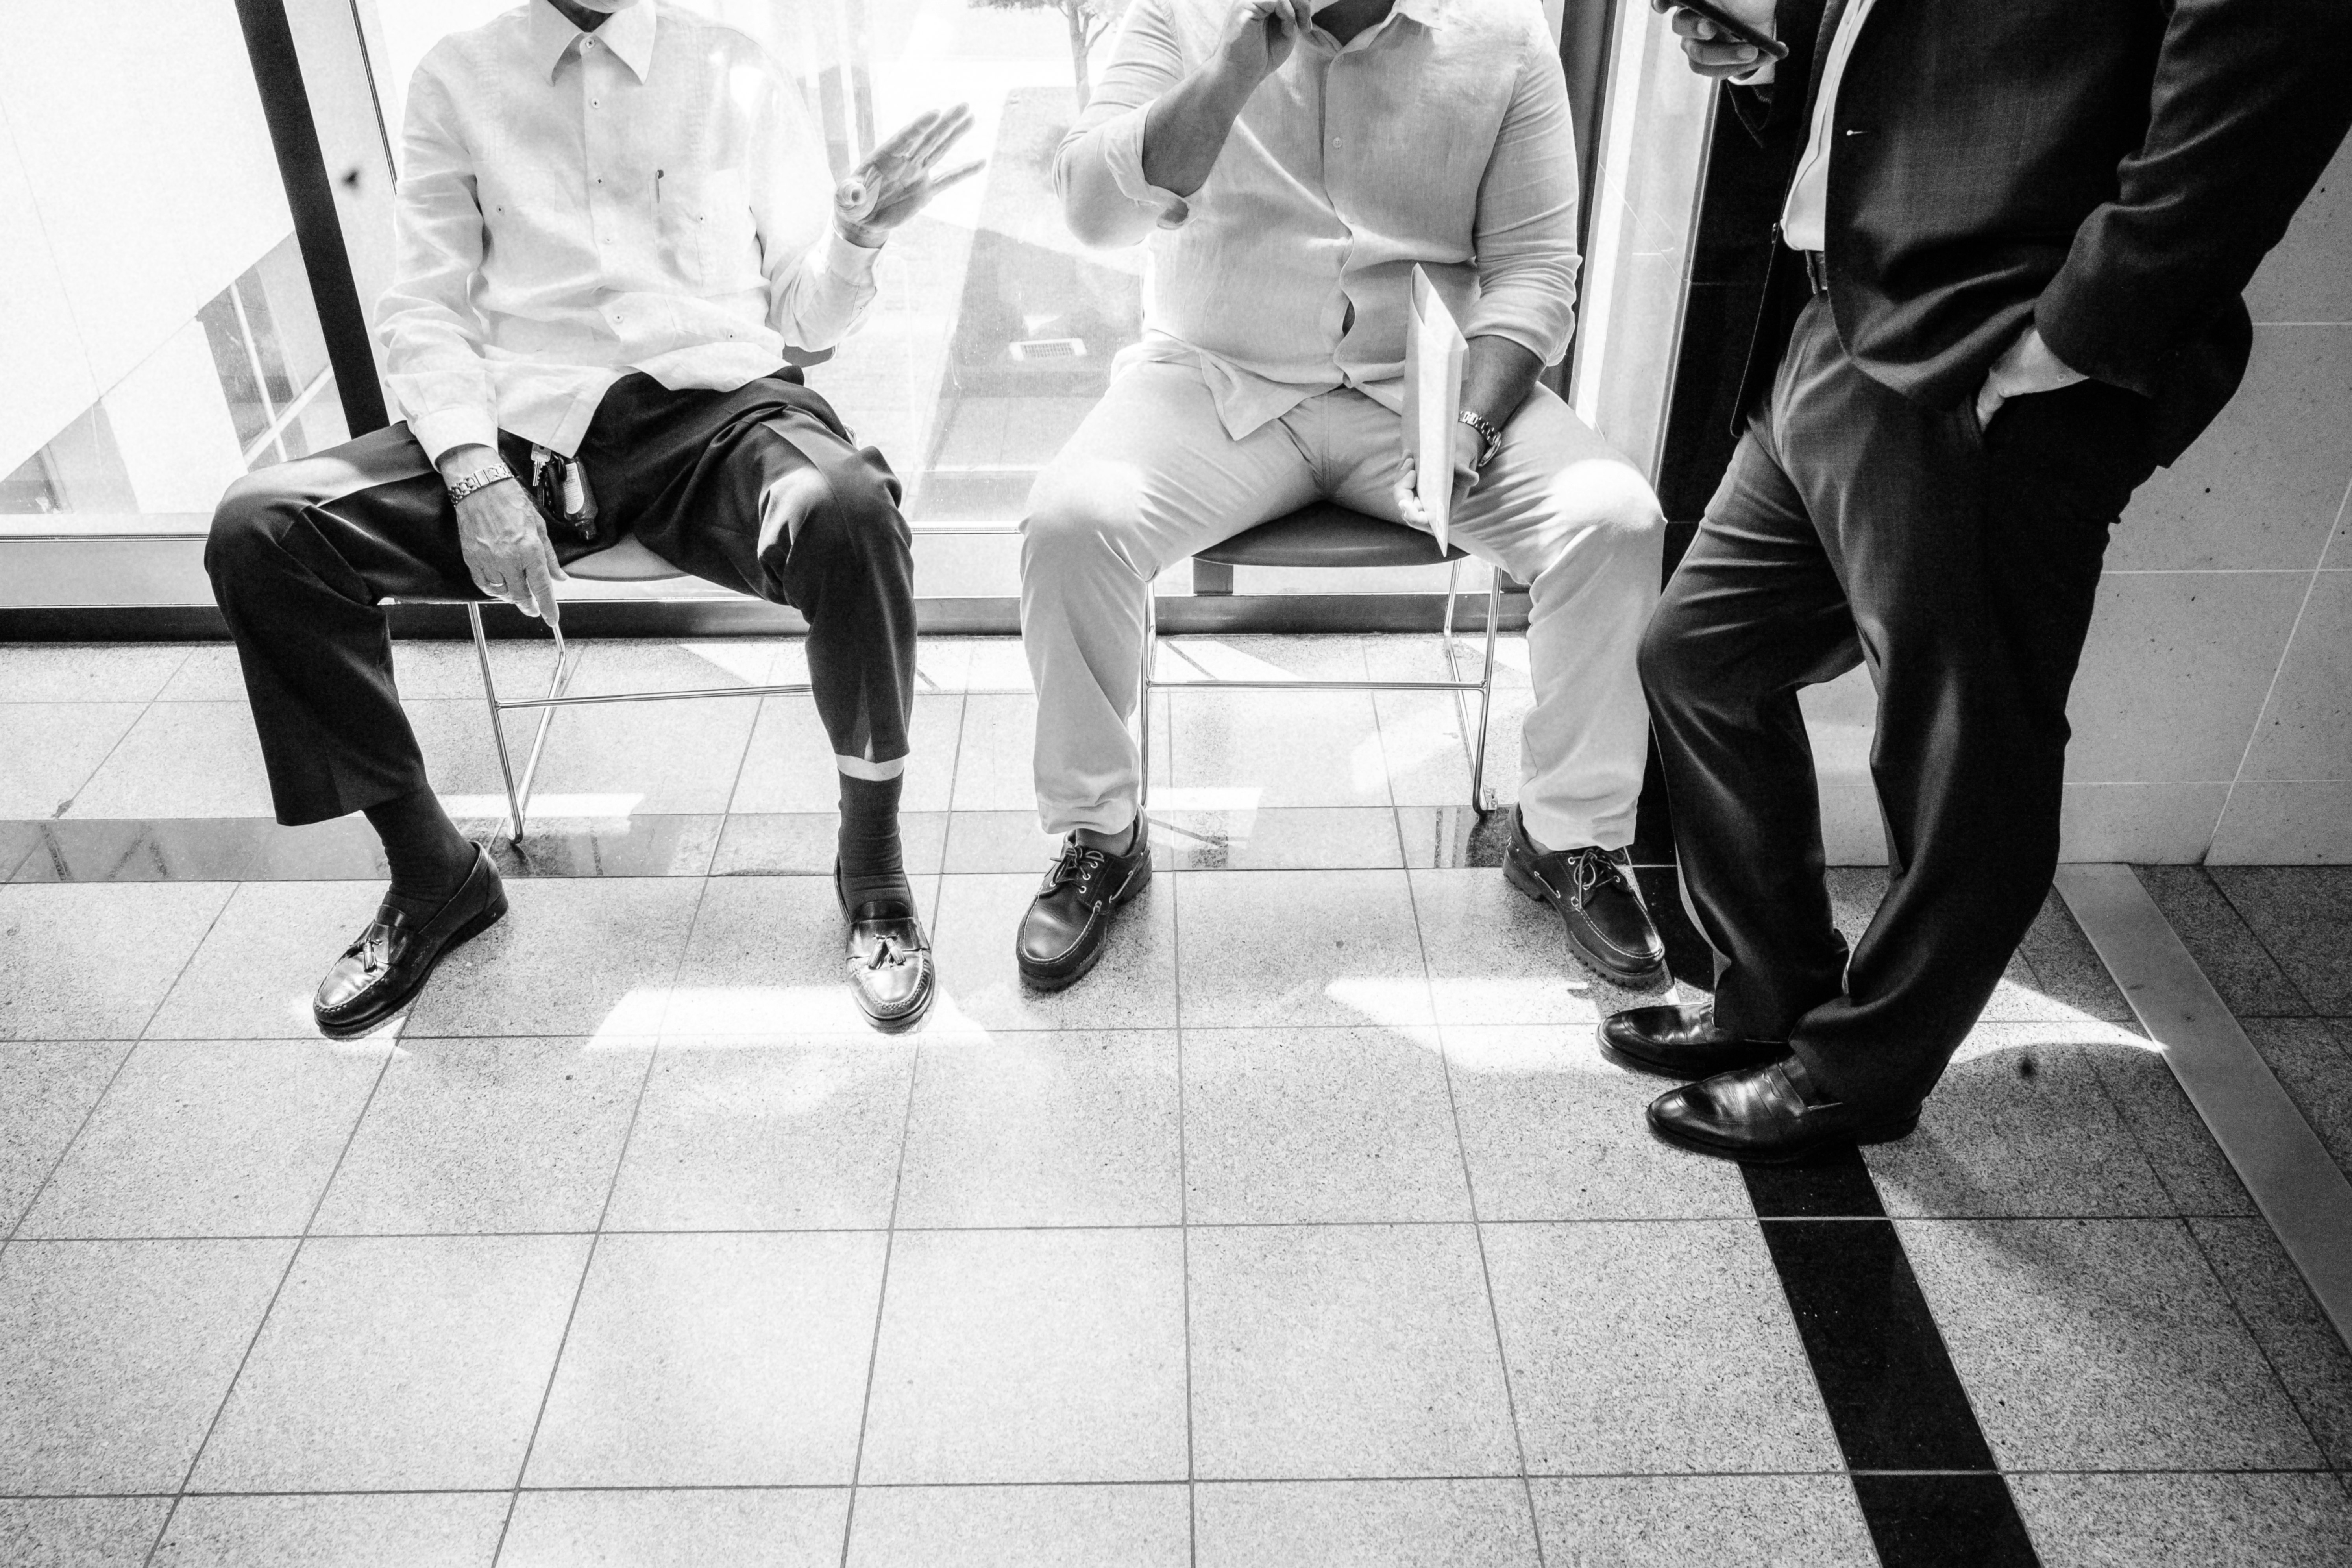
(614, 225)
(1288, 172)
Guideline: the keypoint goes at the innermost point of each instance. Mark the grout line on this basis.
(588, 1263)
(2293, 1180)
(144, 709)
(2245, 1323)
(2256, 938)
(270, 1310)
(1183, 1210)
(130, 1048)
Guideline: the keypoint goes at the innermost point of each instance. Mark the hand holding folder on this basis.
(1433, 351)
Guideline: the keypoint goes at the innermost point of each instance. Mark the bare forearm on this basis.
(1498, 373)
(1186, 127)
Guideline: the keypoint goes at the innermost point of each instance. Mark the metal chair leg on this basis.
(1143, 701)
(498, 723)
(1480, 801)
(559, 684)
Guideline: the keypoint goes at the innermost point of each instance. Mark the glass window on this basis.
(149, 278)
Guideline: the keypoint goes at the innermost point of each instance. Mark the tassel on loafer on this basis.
(381, 971)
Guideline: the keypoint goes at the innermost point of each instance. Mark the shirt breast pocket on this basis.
(706, 234)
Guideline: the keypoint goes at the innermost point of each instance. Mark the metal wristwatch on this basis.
(1486, 433)
(480, 479)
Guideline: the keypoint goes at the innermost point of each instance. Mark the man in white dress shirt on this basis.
(1288, 172)
(614, 226)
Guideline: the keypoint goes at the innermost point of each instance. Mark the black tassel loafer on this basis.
(889, 960)
(1680, 1040)
(381, 971)
(1760, 1116)
(1595, 894)
(1062, 934)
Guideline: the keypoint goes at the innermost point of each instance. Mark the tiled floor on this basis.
(1311, 1229)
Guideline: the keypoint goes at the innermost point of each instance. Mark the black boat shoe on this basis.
(384, 969)
(1061, 935)
(1609, 924)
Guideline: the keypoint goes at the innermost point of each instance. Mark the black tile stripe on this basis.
(1922, 1471)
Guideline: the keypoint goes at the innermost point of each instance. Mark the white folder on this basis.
(1434, 351)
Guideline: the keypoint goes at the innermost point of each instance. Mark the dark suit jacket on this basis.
(2112, 169)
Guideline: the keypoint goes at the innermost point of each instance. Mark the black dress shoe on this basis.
(384, 969)
(889, 960)
(1594, 891)
(1757, 1115)
(1061, 935)
(1680, 1040)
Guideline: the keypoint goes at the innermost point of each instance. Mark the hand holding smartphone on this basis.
(1717, 38)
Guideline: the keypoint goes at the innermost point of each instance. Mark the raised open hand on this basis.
(901, 176)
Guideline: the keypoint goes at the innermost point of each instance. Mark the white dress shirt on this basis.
(1439, 137)
(1804, 220)
(572, 207)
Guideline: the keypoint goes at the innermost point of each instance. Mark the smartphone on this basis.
(1739, 31)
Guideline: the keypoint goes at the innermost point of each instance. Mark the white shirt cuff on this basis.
(1123, 148)
(446, 429)
(845, 258)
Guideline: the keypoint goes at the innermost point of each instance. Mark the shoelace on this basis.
(1592, 867)
(1080, 864)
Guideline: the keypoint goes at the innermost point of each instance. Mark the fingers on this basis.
(961, 172)
(944, 133)
(537, 597)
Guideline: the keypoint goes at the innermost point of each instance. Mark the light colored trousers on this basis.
(1151, 478)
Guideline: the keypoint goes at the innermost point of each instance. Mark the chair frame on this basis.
(1482, 799)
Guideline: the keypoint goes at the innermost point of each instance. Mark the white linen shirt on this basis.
(572, 207)
(1440, 137)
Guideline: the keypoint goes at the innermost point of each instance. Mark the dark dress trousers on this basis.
(2111, 170)
(761, 489)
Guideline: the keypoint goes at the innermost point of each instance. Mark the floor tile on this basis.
(345, 849)
(1347, 952)
(995, 758)
(714, 1361)
(1653, 1348)
(789, 763)
(2247, 979)
(1075, 1127)
(431, 668)
(2065, 967)
(48, 751)
(737, 1528)
(1195, 660)
(591, 957)
(147, 774)
(1029, 1355)
(210, 1138)
(2172, 1136)
(1699, 1522)
(1010, 842)
(2302, 915)
(2101, 1344)
(450, 1529)
(2220, 1521)
(143, 849)
(2020, 1125)
(1133, 986)
(1022, 1527)
(488, 1135)
(412, 1363)
(18, 839)
(766, 958)
(1421, 742)
(748, 1133)
(1453, 836)
(79, 1532)
(1345, 1350)
(1497, 956)
(119, 1355)
(88, 672)
(1281, 839)
(658, 664)
(260, 965)
(67, 977)
(1278, 748)
(47, 1090)
(673, 756)
(1366, 1524)
(1292, 1125)
(2295, 1338)
(638, 845)
(1555, 1130)
(805, 842)
(2312, 1058)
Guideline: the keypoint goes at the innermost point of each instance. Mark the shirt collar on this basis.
(629, 34)
(1428, 13)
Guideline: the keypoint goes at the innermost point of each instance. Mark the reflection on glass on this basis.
(994, 331)
(162, 338)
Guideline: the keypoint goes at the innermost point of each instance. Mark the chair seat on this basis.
(1328, 534)
(627, 562)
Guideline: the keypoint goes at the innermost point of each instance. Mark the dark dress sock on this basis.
(430, 859)
(871, 866)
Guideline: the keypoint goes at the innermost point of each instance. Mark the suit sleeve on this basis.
(2248, 103)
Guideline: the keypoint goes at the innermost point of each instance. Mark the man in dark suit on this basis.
(2004, 288)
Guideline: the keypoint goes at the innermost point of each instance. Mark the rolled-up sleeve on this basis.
(819, 284)
(1526, 233)
(431, 334)
(1098, 171)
